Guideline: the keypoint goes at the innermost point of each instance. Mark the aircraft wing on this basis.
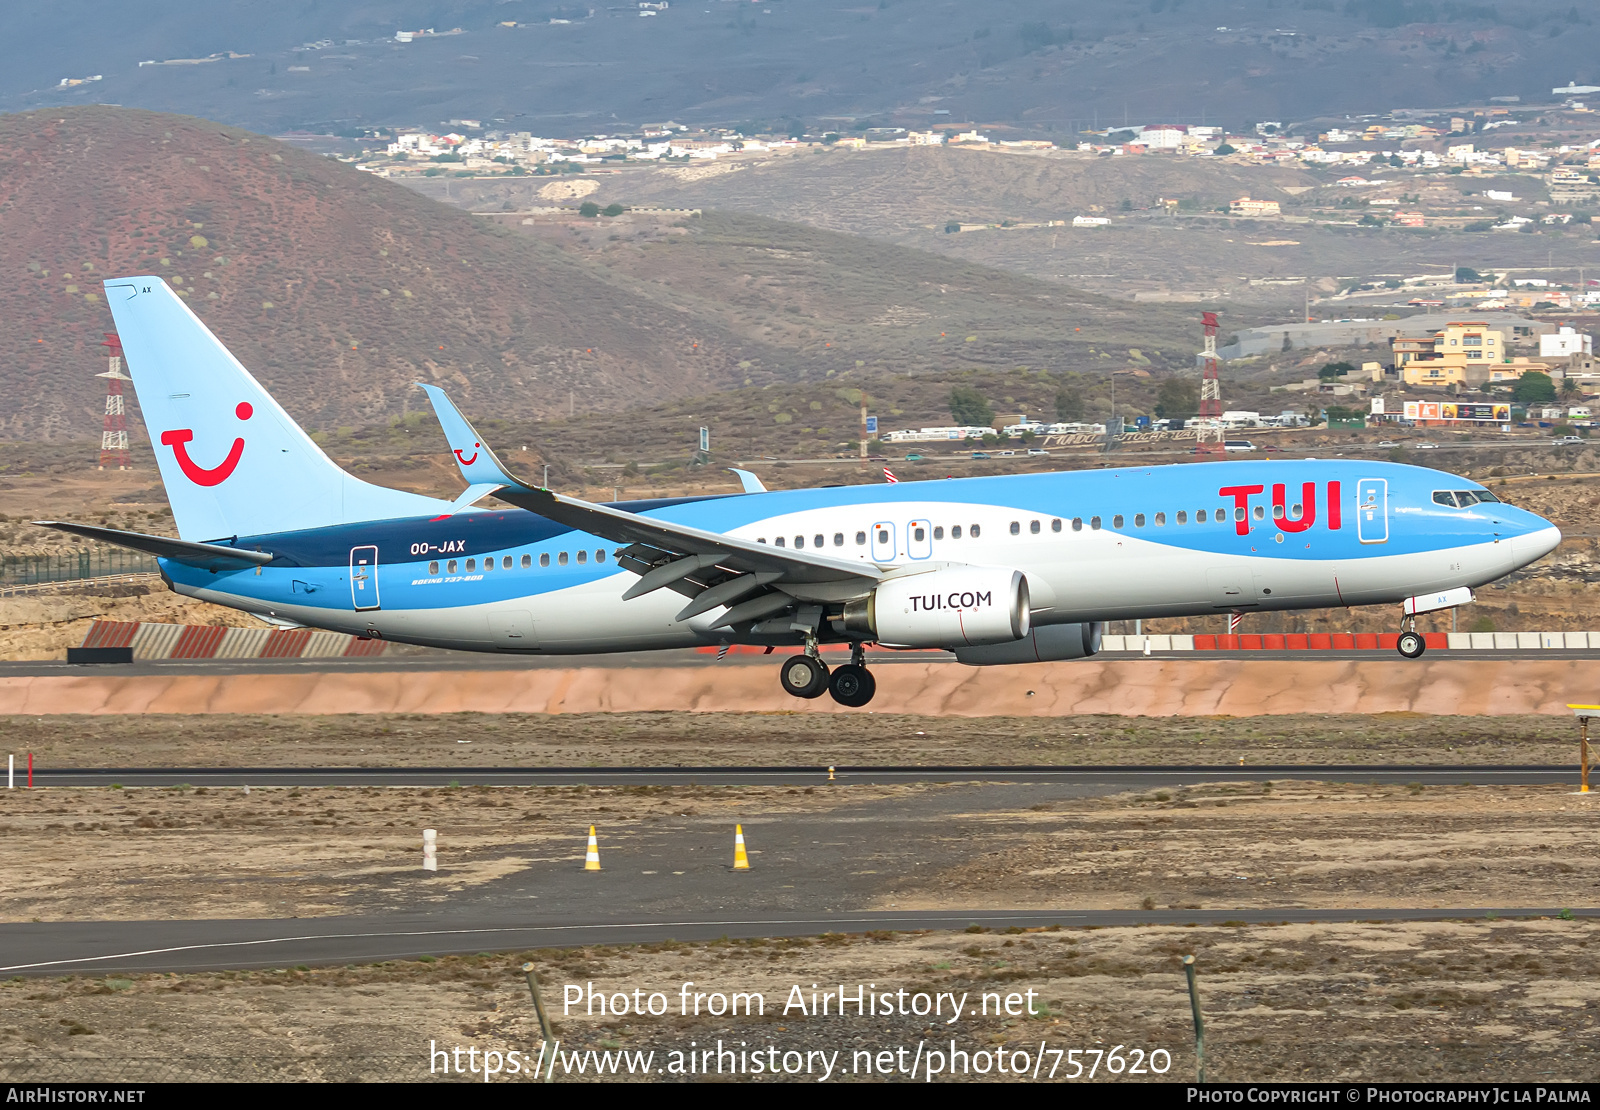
(711, 569)
(210, 556)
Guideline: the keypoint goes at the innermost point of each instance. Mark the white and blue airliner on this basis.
(998, 570)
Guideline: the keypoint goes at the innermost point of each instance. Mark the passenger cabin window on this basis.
(488, 564)
(1200, 517)
(527, 561)
(544, 558)
(838, 539)
(562, 558)
(1138, 520)
(583, 557)
(1238, 514)
(505, 563)
(938, 532)
(974, 531)
(1077, 524)
(799, 541)
(1094, 524)
(472, 565)
(817, 540)
(1033, 527)
(1260, 512)
(433, 568)
(1183, 516)
(1277, 512)
(600, 555)
(1161, 518)
(1055, 525)
(779, 542)
(883, 535)
(1016, 529)
(919, 533)
(861, 539)
(955, 532)
(1116, 521)
(450, 567)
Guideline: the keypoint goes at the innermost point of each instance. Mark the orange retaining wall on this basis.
(1128, 687)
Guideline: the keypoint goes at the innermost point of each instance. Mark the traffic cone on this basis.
(591, 862)
(741, 862)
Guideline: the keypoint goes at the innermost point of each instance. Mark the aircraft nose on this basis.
(1536, 543)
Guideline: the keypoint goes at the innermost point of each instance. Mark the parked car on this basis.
(913, 458)
(1037, 451)
(1426, 446)
(1388, 443)
(1570, 439)
(980, 454)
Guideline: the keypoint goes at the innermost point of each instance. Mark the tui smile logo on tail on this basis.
(199, 475)
(466, 461)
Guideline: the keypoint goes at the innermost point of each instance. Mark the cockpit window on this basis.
(1462, 498)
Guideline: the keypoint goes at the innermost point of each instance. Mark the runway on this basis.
(99, 947)
(432, 661)
(1100, 778)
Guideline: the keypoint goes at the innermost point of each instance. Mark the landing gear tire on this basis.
(852, 685)
(804, 677)
(1411, 644)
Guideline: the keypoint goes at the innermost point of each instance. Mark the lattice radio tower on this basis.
(1208, 437)
(114, 439)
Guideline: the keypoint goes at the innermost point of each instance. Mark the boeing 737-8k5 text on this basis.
(1015, 569)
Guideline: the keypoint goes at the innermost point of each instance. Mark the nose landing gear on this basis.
(1411, 644)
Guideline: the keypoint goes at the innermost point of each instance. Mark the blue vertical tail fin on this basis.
(234, 463)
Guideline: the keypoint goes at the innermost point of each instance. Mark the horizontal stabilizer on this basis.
(209, 556)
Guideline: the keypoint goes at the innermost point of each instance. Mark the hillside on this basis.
(340, 289)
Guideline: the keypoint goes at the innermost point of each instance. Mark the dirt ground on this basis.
(778, 739)
(1432, 1001)
(106, 854)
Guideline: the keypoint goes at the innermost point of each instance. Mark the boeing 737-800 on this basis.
(998, 570)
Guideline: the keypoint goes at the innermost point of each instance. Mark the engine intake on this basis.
(959, 607)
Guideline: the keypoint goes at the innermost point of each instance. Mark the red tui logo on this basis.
(469, 462)
(199, 475)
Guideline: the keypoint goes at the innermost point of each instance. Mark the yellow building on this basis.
(1459, 353)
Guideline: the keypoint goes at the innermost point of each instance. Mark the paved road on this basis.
(1101, 779)
(473, 661)
(99, 947)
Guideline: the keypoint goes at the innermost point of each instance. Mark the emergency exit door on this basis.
(364, 577)
(1372, 510)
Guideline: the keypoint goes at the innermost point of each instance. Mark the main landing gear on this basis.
(807, 676)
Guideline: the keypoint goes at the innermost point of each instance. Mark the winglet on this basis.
(479, 466)
(749, 481)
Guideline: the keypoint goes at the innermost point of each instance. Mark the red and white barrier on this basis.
(199, 641)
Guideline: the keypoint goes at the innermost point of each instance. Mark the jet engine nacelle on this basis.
(1043, 644)
(957, 607)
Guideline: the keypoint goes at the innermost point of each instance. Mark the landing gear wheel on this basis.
(852, 685)
(1411, 644)
(803, 676)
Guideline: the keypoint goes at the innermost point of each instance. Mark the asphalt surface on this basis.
(1100, 779)
(99, 947)
(473, 661)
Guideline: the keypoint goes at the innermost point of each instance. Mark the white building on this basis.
(1565, 343)
(1089, 221)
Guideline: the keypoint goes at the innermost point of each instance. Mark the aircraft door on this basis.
(364, 577)
(883, 542)
(919, 539)
(1372, 510)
